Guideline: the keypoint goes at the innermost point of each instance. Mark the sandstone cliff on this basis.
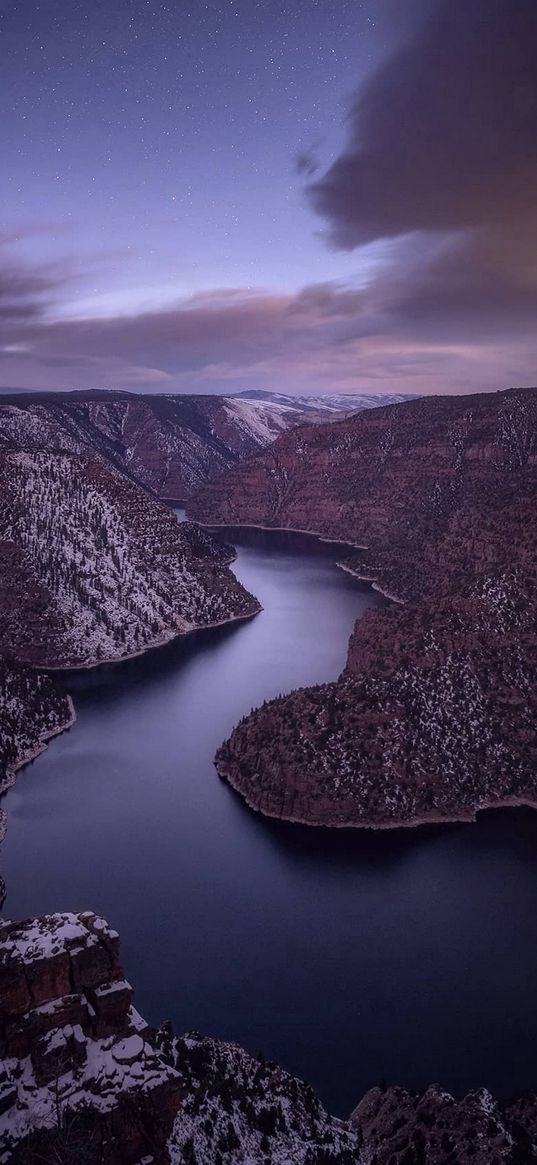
(79, 1079)
(433, 717)
(170, 444)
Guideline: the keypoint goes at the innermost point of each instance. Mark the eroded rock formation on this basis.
(77, 1070)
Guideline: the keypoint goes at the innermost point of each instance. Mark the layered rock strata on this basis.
(76, 1063)
(169, 444)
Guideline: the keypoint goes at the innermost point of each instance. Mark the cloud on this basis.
(24, 294)
(443, 137)
(306, 163)
(328, 336)
(441, 159)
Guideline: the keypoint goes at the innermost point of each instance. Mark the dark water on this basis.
(348, 957)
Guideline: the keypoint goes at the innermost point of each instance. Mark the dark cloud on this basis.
(307, 164)
(24, 295)
(444, 136)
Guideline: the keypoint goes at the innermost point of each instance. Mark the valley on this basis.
(431, 718)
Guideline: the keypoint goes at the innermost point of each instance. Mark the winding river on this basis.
(349, 957)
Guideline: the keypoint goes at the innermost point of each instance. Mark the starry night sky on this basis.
(325, 195)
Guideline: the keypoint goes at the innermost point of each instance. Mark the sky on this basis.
(317, 196)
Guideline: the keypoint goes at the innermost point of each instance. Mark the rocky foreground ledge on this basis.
(84, 1081)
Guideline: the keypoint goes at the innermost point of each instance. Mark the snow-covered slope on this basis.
(170, 444)
(341, 402)
(262, 420)
(246, 1111)
(95, 569)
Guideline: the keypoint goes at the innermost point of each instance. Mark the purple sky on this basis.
(323, 195)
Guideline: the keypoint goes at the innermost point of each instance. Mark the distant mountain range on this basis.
(341, 402)
(170, 444)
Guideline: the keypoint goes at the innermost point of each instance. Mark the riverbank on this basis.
(279, 530)
(321, 538)
(162, 641)
(462, 817)
(370, 578)
(30, 755)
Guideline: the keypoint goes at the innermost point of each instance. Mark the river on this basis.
(349, 957)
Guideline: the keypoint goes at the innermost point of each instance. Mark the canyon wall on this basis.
(94, 569)
(169, 444)
(433, 717)
(79, 1079)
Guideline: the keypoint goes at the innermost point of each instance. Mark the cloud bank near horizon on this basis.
(439, 172)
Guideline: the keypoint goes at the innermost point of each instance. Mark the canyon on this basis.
(168, 444)
(431, 719)
(84, 1079)
(92, 569)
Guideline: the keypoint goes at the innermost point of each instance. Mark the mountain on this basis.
(84, 1079)
(94, 569)
(342, 402)
(434, 715)
(169, 444)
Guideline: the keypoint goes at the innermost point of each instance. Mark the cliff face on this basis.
(170, 444)
(94, 569)
(433, 717)
(79, 1080)
(83, 1080)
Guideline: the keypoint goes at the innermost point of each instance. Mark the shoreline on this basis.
(463, 817)
(163, 641)
(321, 538)
(46, 738)
(375, 586)
(279, 530)
(41, 746)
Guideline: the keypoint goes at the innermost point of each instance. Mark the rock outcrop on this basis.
(433, 717)
(239, 1108)
(79, 1079)
(432, 1128)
